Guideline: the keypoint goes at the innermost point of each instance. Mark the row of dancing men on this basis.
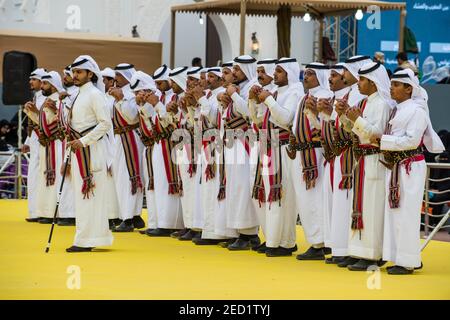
(223, 153)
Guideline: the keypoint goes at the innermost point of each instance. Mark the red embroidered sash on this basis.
(47, 136)
(304, 134)
(147, 138)
(130, 149)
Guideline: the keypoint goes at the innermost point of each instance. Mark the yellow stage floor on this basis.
(140, 267)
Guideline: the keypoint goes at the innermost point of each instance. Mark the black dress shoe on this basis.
(66, 221)
(279, 252)
(177, 234)
(335, 260)
(240, 244)
(347, 261)
(312, 254)
(159, 232)
(255, 242)
(418, 268)
(207, 242)
(227, 243)
(326, 250)
(47, 220)
(125, 226)
(397, 270)
(188, 236)
(78, 249)
(362, 265)
(32, 219)
(261, 248)
(145, 231)
(138, 222)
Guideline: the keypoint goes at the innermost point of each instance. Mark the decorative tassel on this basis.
(275, 194)
(210, 172)
(50, 177)
(136, 184)
(174, 188)
(357, 221)
(394, 197)
(88, 186)
(346, 182)
(221, 195)
(309, 176)
(259, 194)
(151, 184)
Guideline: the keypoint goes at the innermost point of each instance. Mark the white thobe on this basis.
(367, 244)
(113, 203)
(168, 206)
(241, 213)
(401, 240)
(92, 228)
(209, 108)
(310, 201)
(33, 166)
(130, 205)
(279, 220)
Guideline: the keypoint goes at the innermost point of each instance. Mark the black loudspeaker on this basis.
(17, 67)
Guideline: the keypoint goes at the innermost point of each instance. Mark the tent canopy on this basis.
(318, 9)
(298, 7)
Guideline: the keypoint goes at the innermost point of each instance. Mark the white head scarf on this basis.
(227, 65)
(142, 81)
(377, 73)
(54, 79)
(355, 63)
(126, 70)
(179, 76)
(292, 68)
(68, 71)
(247, 64)
(86, 62)
(268, 65)
(216, 70)
(162, 73)
(322, 72)
(338, 68)
(431, 139)
(108, 72)
(38, 73)
(194, 72)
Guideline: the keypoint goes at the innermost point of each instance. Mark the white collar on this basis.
(86, 86)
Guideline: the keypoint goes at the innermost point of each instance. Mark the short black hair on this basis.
(402, 56)
(197, 62)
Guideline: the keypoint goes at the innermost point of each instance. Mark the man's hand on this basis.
(116, 93)
(325, 106)
(341, 106)
(311, 104)
(49, 104)
(353, 113)
(263, 94)
(182, 105)
(151, 98)
(25, 148)
(31, 107)
(232, 88)
(197, 92)
(75, 144)
(254, 91)
(140, 98)
(172, 107)
(375, 139)
(63, 95)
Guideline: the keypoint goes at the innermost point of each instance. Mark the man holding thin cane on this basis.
(88, 123)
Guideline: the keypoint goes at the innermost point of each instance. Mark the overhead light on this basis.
(307, 17)
(200, 19)
(359, 14)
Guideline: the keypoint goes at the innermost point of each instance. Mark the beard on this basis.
(46, 93)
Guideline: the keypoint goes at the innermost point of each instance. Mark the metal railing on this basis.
(427, 214)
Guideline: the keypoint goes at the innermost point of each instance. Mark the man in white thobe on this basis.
(89, 122)
(31, 144)
(275, 190)
(368, 119)
(307, 161)
(127, 166)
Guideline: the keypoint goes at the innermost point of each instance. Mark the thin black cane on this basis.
(68, 156)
